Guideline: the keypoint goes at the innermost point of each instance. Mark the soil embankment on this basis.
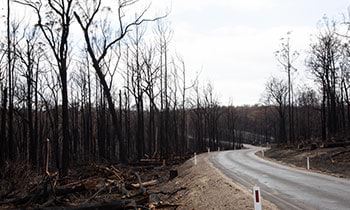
(332, 161)
(207, 188)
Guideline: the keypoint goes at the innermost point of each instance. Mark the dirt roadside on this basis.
(331, 161)
(207, 188)
(200, 186)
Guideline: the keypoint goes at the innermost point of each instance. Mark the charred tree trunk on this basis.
(3, 139)
(11, 144)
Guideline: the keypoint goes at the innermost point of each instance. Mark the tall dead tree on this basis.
(286, 57)
(151, 77)
(29, 56)
(275, 94)
(212, 115)
(322, 61)
(345, 80)
(163, 35)
(137, 88)
(197, 118)
(307, 103)
(10, 140)
(231, 116)
(184, 90)
(3, 147)
(55, 27)
(86, 18)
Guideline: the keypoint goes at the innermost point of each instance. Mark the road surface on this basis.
(288, 188)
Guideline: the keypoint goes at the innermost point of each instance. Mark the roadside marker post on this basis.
(48, 151)
(308, 163)
(257, 198)
(208, 150)
(195, 158)
(218, 149)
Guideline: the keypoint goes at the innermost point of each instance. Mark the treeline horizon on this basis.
(318, 112)
(123, 97)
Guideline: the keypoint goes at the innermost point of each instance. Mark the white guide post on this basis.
(195, 158)
(48, 152)
(208, 150)
(218, 149)
(257, 198)
(308, 163)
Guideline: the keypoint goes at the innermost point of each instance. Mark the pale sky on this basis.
(232, 42)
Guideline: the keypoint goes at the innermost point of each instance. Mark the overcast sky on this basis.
(232, 42)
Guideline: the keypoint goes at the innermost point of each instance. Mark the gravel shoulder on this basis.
(207, 188)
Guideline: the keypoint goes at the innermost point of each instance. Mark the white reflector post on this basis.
(308, 163)
(257, 198)
(208, 149)
(195, 158)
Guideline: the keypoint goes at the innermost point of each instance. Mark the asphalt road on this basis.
(286, 187)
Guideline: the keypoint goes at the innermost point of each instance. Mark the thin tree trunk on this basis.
(3, 141)
(11, 144)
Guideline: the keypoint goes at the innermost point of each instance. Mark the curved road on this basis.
(286, 187)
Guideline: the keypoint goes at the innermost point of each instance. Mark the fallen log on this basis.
(145, 184)
(44, 192)
(103, 188)
(340, 153)
(147, 162)
(165, 205)
(335, 144)
(168, 193)
(118, 204)
(74, 189)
